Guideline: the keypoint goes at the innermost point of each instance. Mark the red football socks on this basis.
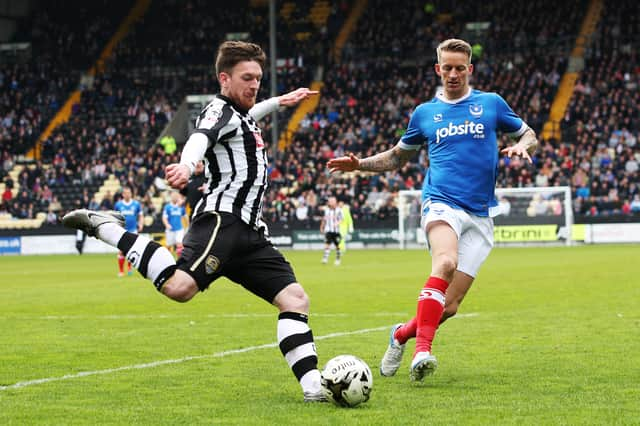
(430, 308)
(121, 263)
(407, 331)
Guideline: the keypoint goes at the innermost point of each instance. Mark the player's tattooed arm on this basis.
(526, 146)
(529, 141)
(392, 159)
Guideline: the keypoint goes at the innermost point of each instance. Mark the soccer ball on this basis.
(347, 380)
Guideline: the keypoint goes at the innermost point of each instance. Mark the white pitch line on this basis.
(168, 316)
(187, 358)
(173, 361)
(192, 317)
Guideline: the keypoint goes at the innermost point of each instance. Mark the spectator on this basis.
(7, 195)
(168, 143)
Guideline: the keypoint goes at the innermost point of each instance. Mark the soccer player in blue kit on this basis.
(173, 216)
(133, 222)
(459, 129)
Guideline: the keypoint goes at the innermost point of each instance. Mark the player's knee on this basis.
(179, 290)
(447, 264)
(292, 299)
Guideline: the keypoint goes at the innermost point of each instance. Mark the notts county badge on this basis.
(212, 264)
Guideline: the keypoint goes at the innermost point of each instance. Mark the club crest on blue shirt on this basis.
(475, 110)
(437, 118)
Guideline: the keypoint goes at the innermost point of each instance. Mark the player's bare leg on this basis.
(456, 292)
(444, 261)
(181, 287)
(401, 333)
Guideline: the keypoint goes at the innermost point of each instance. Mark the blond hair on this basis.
(454, 45)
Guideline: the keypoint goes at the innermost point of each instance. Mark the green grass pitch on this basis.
(545, 336)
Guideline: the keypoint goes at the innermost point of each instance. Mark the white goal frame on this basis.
(567, 206)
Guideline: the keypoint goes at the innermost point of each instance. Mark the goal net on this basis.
(529, 216)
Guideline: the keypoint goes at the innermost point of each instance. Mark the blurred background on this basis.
(99, 95)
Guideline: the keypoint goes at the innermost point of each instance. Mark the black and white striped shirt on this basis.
(332, 219)
(235, 161)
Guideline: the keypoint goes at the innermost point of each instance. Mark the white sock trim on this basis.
(110, 233)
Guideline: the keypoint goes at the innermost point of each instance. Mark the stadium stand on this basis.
(62, 47)
(112, 130)
(384, 70)
(387, 70)
(32, 90)
(600, 128)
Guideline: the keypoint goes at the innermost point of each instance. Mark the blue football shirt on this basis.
(130, 211)
(174, 213)
(462, 147)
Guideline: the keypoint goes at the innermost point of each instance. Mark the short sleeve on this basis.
(414, 137)
(507, 120)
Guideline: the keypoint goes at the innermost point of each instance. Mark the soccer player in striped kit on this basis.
(227, 236)
(459, 129)
(330, 225)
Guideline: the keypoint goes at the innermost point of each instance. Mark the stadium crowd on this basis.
(384, 72)
(114, 127)
(32, 91)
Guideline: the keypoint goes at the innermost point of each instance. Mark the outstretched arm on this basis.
(270, 105)
(293, 98)
(525, 147)
(391, 159)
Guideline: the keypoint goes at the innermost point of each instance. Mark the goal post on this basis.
(528, 216)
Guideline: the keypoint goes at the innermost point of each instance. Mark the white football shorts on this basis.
(174, 237)
(475, 234)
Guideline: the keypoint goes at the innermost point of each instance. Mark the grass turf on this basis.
(546, 336)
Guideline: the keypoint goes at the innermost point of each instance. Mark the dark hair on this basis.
(231, 53)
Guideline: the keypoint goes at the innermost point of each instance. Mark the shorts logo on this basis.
(212, 264)
(133, 257)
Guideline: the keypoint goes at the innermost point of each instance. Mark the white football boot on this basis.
(423, 364)
(89, 220)
(393, 356)
(315, 396)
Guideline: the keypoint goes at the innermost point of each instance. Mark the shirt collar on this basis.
(440, 95)
(232, 103)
